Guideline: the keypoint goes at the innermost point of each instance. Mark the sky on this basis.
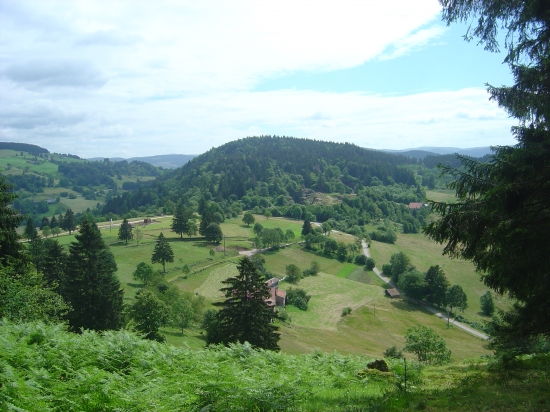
(140, 78)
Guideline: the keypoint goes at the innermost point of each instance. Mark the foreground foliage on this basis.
(45, 368)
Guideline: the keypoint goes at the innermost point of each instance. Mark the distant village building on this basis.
(415, 205)
(278, 296)
(392, 293)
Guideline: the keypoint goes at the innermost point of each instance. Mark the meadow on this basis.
(375, 323)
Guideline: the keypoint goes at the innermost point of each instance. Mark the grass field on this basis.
(210, 289)
(424, 253)
(441, 195)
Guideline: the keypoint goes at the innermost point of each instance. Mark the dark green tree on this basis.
(54, 263)
(248, 219)
(45, 222)
(487, 304)
(180, 221)
(370, 264)
(399, 262)
(163, 252)
(213, 233)
(258, 229)
(90, 284)
(436, 285)
(149, 314)
(69, 222)
(245, 316)
(36, 252)
(456, 298)
(306, 228)
(412, 284)
(53, 222)
(125, 231)
(501, 220)
(30, 229)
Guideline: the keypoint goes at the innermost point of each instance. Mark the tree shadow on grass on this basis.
(406, 306)
(135, 285)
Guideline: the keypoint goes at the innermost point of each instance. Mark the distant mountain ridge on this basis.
(169, 161)
(422, 152)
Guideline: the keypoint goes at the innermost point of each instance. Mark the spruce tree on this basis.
(180, 221)
(30, 229)
(245, 316)
(69, 222)
(125, 231)
(162, 252)
(54, 262)
(10, 248)
(306, 228)
(90, 284)
(54, 222)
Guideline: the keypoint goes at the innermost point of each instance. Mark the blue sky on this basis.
(121, 78)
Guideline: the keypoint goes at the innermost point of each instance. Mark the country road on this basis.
(427, 307)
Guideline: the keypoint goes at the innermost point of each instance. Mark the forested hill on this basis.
(23, 147)
(286, 164)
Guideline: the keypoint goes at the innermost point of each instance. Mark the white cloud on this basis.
(141, 78)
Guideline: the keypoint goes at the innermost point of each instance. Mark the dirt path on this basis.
(427, 307)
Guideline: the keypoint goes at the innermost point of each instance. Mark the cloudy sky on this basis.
(138, 78)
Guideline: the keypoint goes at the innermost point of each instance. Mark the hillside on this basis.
(169, 161)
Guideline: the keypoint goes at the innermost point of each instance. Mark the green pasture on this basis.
(424, 253)
(441, 195)
(376, 322)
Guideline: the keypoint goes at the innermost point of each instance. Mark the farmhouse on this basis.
(392, 293)
(278, 296)
(415, 205)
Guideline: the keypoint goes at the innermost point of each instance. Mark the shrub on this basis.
(346, 311)
(360, 260)
(369, 264)
(393, 352)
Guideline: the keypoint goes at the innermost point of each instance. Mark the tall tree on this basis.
(54, 222)
(213, 233)
(456, 298)
(45, 222)
(180, 221)
(69, 222)
(125, 231)
(245, 316)
(10, 248)
(30, 229)
(248, 219)
(54, 263)
(36, 252)
(163, 252)
(427, 345)
(436, 285)
(487, 304)
(90, 284)
(306, 228)
(502, 218)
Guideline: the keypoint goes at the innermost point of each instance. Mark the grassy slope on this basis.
(425, 253)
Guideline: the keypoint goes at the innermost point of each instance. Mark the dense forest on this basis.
(23, 147)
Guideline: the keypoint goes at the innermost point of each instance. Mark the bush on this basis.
(393, 353)
(369, 264)
(346, 311)
(360, 260)
(298, 298)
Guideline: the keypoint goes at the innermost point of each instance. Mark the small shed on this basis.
(415, 205)
(392, 293)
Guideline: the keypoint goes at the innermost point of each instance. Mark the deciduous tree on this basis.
(427, 345)
(144, 273)
(487, 304)
(149, 314)
(248, 219)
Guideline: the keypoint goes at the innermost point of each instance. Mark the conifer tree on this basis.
(245, 316)
(10, 248)
(180, 221)
(125, 231)
(90, 284)
(30, 229)
(54, 222)
(54, 262)
(306, 228)
(163, 252)
(69, 222)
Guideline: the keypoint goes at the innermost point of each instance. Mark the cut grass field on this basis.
(441, 195)
(424, 253)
